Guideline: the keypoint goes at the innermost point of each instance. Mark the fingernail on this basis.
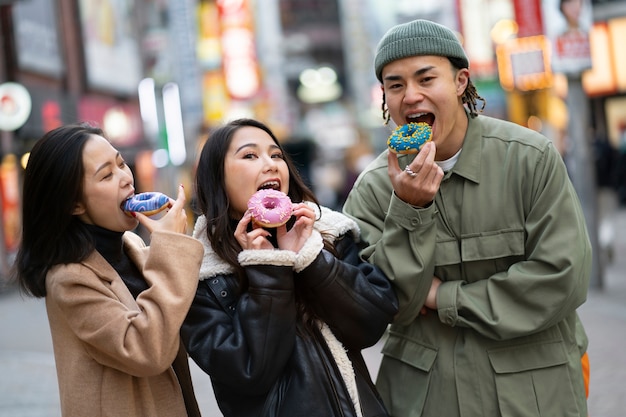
(133, 214)
(182, 186)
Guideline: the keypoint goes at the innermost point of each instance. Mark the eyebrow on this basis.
(416, 73)
(106, 164)
(254, 145)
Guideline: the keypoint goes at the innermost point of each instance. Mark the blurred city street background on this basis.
(158, 75)
(28, 386)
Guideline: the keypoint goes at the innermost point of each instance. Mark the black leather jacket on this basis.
(260, 365)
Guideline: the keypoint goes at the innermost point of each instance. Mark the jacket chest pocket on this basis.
(477, 256)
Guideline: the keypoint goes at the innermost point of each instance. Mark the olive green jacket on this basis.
(507, 236)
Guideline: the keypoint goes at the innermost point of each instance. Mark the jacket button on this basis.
(214, 282)
(223, 293)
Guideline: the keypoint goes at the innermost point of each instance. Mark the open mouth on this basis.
(428, 118)
(270, 185)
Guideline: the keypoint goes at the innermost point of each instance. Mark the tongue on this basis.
(428, 118)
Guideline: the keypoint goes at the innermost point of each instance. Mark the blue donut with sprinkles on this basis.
(149, 203)
(409, 138)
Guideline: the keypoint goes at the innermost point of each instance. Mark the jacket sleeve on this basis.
(387, 224)
(353, 297)
(139, 341)
(248, 350)
(544, 288)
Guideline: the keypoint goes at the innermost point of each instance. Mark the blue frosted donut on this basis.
(149, 203)
(409, 138)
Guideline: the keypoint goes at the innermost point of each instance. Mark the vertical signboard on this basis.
(239, 58)
(36, 37)
(567, 25)
(529, 17)
(112, 55)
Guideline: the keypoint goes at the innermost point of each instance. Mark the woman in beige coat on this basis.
(115, 306)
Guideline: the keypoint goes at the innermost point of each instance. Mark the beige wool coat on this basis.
(113, 353)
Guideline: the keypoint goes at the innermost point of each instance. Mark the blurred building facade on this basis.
(157, 75)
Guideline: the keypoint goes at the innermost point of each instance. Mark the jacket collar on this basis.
(469, 163)
(133, 245)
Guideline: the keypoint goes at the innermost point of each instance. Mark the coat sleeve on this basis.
(248, 350)
(139, 341)
(353, 297)
(548, 284)
(387, 227)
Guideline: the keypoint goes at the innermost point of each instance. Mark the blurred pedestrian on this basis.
(484, 239)
(281, 314)
(114, 305)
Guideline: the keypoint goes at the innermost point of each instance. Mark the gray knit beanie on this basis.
(419, 37)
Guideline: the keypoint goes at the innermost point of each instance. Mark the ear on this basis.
(462, 81)
(79, 209)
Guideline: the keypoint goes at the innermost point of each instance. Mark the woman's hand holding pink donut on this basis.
(292, 240)
(255, 239)
(296, 237)
(175, 220)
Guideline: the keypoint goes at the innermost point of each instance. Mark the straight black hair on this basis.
(53, 184)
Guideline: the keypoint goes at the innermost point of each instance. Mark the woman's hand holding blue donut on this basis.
(175, 220)
(296, 237)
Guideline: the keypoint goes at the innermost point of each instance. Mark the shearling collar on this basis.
(331, 224)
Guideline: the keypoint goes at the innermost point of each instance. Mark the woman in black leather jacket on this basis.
(280, 315)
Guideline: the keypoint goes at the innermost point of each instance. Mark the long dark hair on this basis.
(53, 184)
(210, 188)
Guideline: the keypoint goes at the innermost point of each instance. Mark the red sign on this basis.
(528, 17)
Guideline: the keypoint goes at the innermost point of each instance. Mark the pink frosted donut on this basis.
(146, 203)
(270, 208)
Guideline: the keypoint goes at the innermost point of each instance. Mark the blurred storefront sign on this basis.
(214, 95)
(567, 25)
(15, 106)
(524, 63)
(112, 55)
(50, 109)
(120, 121)
(609, 58)
(239, 60)
(528, 17)
(9, 191)
(36, 37)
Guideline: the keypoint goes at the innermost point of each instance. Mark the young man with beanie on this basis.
(485, 242)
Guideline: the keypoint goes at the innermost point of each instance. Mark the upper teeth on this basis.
(270, 184)
(416, 115)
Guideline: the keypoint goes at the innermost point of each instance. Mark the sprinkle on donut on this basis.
(409, 138)
(149, 203)
(270, 208)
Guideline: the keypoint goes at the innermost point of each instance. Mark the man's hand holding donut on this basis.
(418, 184)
